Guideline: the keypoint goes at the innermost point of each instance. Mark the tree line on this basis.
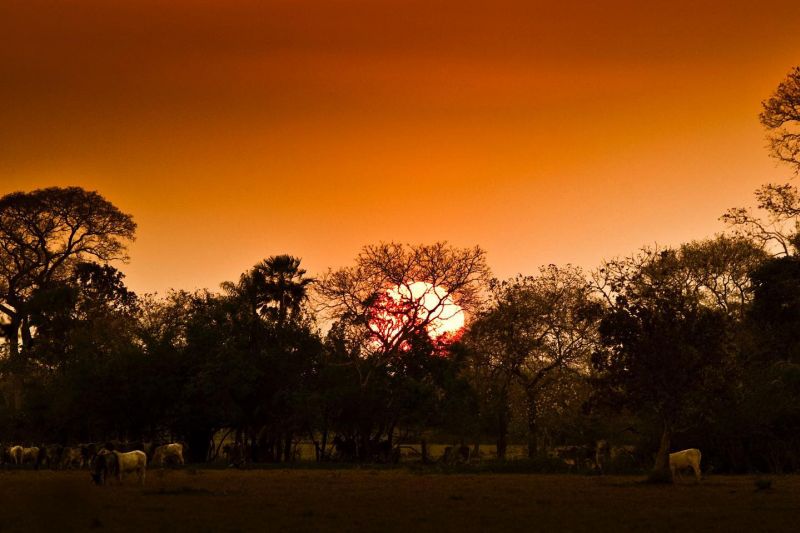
(695, 345)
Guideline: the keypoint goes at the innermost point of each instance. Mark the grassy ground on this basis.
(389, 500)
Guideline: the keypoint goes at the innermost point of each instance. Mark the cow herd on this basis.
(105, 461)
(114, 459)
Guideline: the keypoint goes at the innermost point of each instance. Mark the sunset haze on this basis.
(558, 132)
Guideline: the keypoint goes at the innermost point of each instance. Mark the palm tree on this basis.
(247, 291)
(282, 282)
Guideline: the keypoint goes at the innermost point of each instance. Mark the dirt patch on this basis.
(177, 491)
(392, 500)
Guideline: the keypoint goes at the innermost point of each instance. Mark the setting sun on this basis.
(444, 315)
(418, 302)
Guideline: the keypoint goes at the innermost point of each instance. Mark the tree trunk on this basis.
(238, 455)
(661, 472)
(390, 435)
(324, 457)
(502, 446)
(502, 435)
(198, 443)
(503, 420)
(13, 339)
(27, 337)
(533, 447)
(288, 456)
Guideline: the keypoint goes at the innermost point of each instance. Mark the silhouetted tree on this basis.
(538, 329)
(86, 351)
(283, 285)
(491, 381)
(43, 235)
(769, 405)
(780, 115)
(269, 319)
(383, 323)
(720, 268)
(359, 293)
(777, 229)
(664, 352)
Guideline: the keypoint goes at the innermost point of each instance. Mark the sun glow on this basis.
(437, 306)
(419, 302)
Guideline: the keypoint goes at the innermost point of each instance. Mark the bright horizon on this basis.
(545, 134)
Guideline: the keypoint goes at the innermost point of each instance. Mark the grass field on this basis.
(389, 500)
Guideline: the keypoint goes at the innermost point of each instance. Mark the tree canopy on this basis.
(44, 235)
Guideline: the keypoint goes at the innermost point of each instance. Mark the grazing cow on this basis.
(111, 463)
(15, 452)
(135, 461)
(30, 455)
(88, 453)
(50, 456)
(685, 459)
(105, 464)
(72, 457)
(168, 453)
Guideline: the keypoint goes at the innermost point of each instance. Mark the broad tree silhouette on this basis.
(664, 353)
(536, 329)
(43, 235)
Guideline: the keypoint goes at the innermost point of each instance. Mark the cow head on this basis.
(100, 466)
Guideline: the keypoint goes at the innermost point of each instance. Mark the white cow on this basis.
(72, 457)
(15, 452)
(168, 452)
(685, 459)
(30, 455)
(135, 461)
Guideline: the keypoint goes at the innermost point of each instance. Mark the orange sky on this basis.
(545, 132)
